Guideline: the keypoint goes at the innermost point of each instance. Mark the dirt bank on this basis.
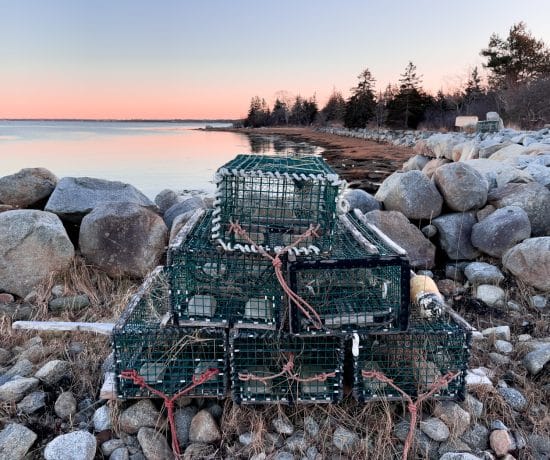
(364, 164)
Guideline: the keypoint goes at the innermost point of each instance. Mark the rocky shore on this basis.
(473, 211)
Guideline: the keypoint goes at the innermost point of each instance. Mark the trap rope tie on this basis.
(412, 406)
(169, 401)
(287, 369)
(309, 312)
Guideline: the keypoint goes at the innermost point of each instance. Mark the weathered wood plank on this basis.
(60, 326)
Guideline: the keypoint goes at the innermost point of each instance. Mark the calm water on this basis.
(149, 155)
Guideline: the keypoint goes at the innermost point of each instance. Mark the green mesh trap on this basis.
(166, 356)
(488, 126)
(261, 373)
(275, 199)
(413, 359)
(362, 284)
(209, 284)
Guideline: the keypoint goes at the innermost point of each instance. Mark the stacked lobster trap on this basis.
(277, 289)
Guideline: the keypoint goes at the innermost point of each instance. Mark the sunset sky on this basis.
(206, 59)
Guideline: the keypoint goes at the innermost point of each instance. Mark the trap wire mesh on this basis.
(275, 199)
(166, 356)
(487, 126)
(209, 284)
(414, 359)
(274, 367)
(352, 288)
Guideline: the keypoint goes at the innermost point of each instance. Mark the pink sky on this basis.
(194, 59)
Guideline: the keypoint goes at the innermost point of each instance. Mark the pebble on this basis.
(102, 418)
(501, 442)
(154, 444)
(429, 231)
(435, 429)
(6, 298)
(58, 290)
(473, 405)
(282, 425)
(535, 361)
(514, 398)
(498, 359)
(204, 428)
(491, 295)
(183, 417)
(297, 442)
(540, 444)
(246, 438)
(477, 437)
(79, 445)
(499, 332)
(15, 390)
(34, 353)
(141, 414)
(71, 303)
(498, 425)
(453, 445)
(459, 456)
(53, 371)
(538, 301)
(483, 273)
(32, 402)
(65, 405)
(108, 447)
(344, 440)
(311, 426)
(503, 346)
(283, 456)
(121, 454)
(15, 441)
(456, 418)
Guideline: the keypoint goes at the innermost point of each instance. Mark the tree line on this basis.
(518, 87)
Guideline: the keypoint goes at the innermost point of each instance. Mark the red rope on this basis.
(287, 369)
(169, 401)
(411, 406)
(309, 312)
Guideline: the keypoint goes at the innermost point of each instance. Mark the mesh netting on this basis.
(212, 285)
(275, 199)
(352, 289)
(267, 367)
(413, 359)
(487, 126)
(166, 356)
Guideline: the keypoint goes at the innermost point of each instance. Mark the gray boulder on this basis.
(454, 235)
(16, 389)
(33, 244)
(412, 194)
(204, 428)
(361, 200)
(124, 239)
(420, 250)
(509, 153)
(27, 187)
(483, 273)
(539, 173)
(154, 444)
(416, 162)
(165, 199)
(179, 223)
(139, 415)
(462, 187)
(432, 166)
(498, 174)
(490, 146)
(530, 262)
(54, 371)
(77, 445)
(177, 209)
(501, 230)
(15, 441)
(74, 197)
(533, 198)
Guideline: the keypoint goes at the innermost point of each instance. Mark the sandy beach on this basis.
(363, 163)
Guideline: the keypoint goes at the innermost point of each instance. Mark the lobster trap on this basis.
(168, 358)
(269, 367)
(276, 199)
(226, 288)
(362, 284)
(414, 360)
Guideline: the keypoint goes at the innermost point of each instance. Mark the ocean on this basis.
(151, 156)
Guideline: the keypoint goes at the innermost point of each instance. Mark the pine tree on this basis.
(360, 107)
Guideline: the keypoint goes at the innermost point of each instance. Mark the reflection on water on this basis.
(276, 144)
(149, 155)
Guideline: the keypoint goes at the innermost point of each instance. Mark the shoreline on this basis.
(363, 163)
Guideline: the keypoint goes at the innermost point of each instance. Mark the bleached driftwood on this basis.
(385, 238)
(369, 247)
(54, 326)
(108, 389)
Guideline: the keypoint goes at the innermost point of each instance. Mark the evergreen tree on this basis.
(519, 58)
(473, 91)
(335, 108)
(258, 113)
(361, 106)
(279, 114)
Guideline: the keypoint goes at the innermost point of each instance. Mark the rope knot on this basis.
(276, 262)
